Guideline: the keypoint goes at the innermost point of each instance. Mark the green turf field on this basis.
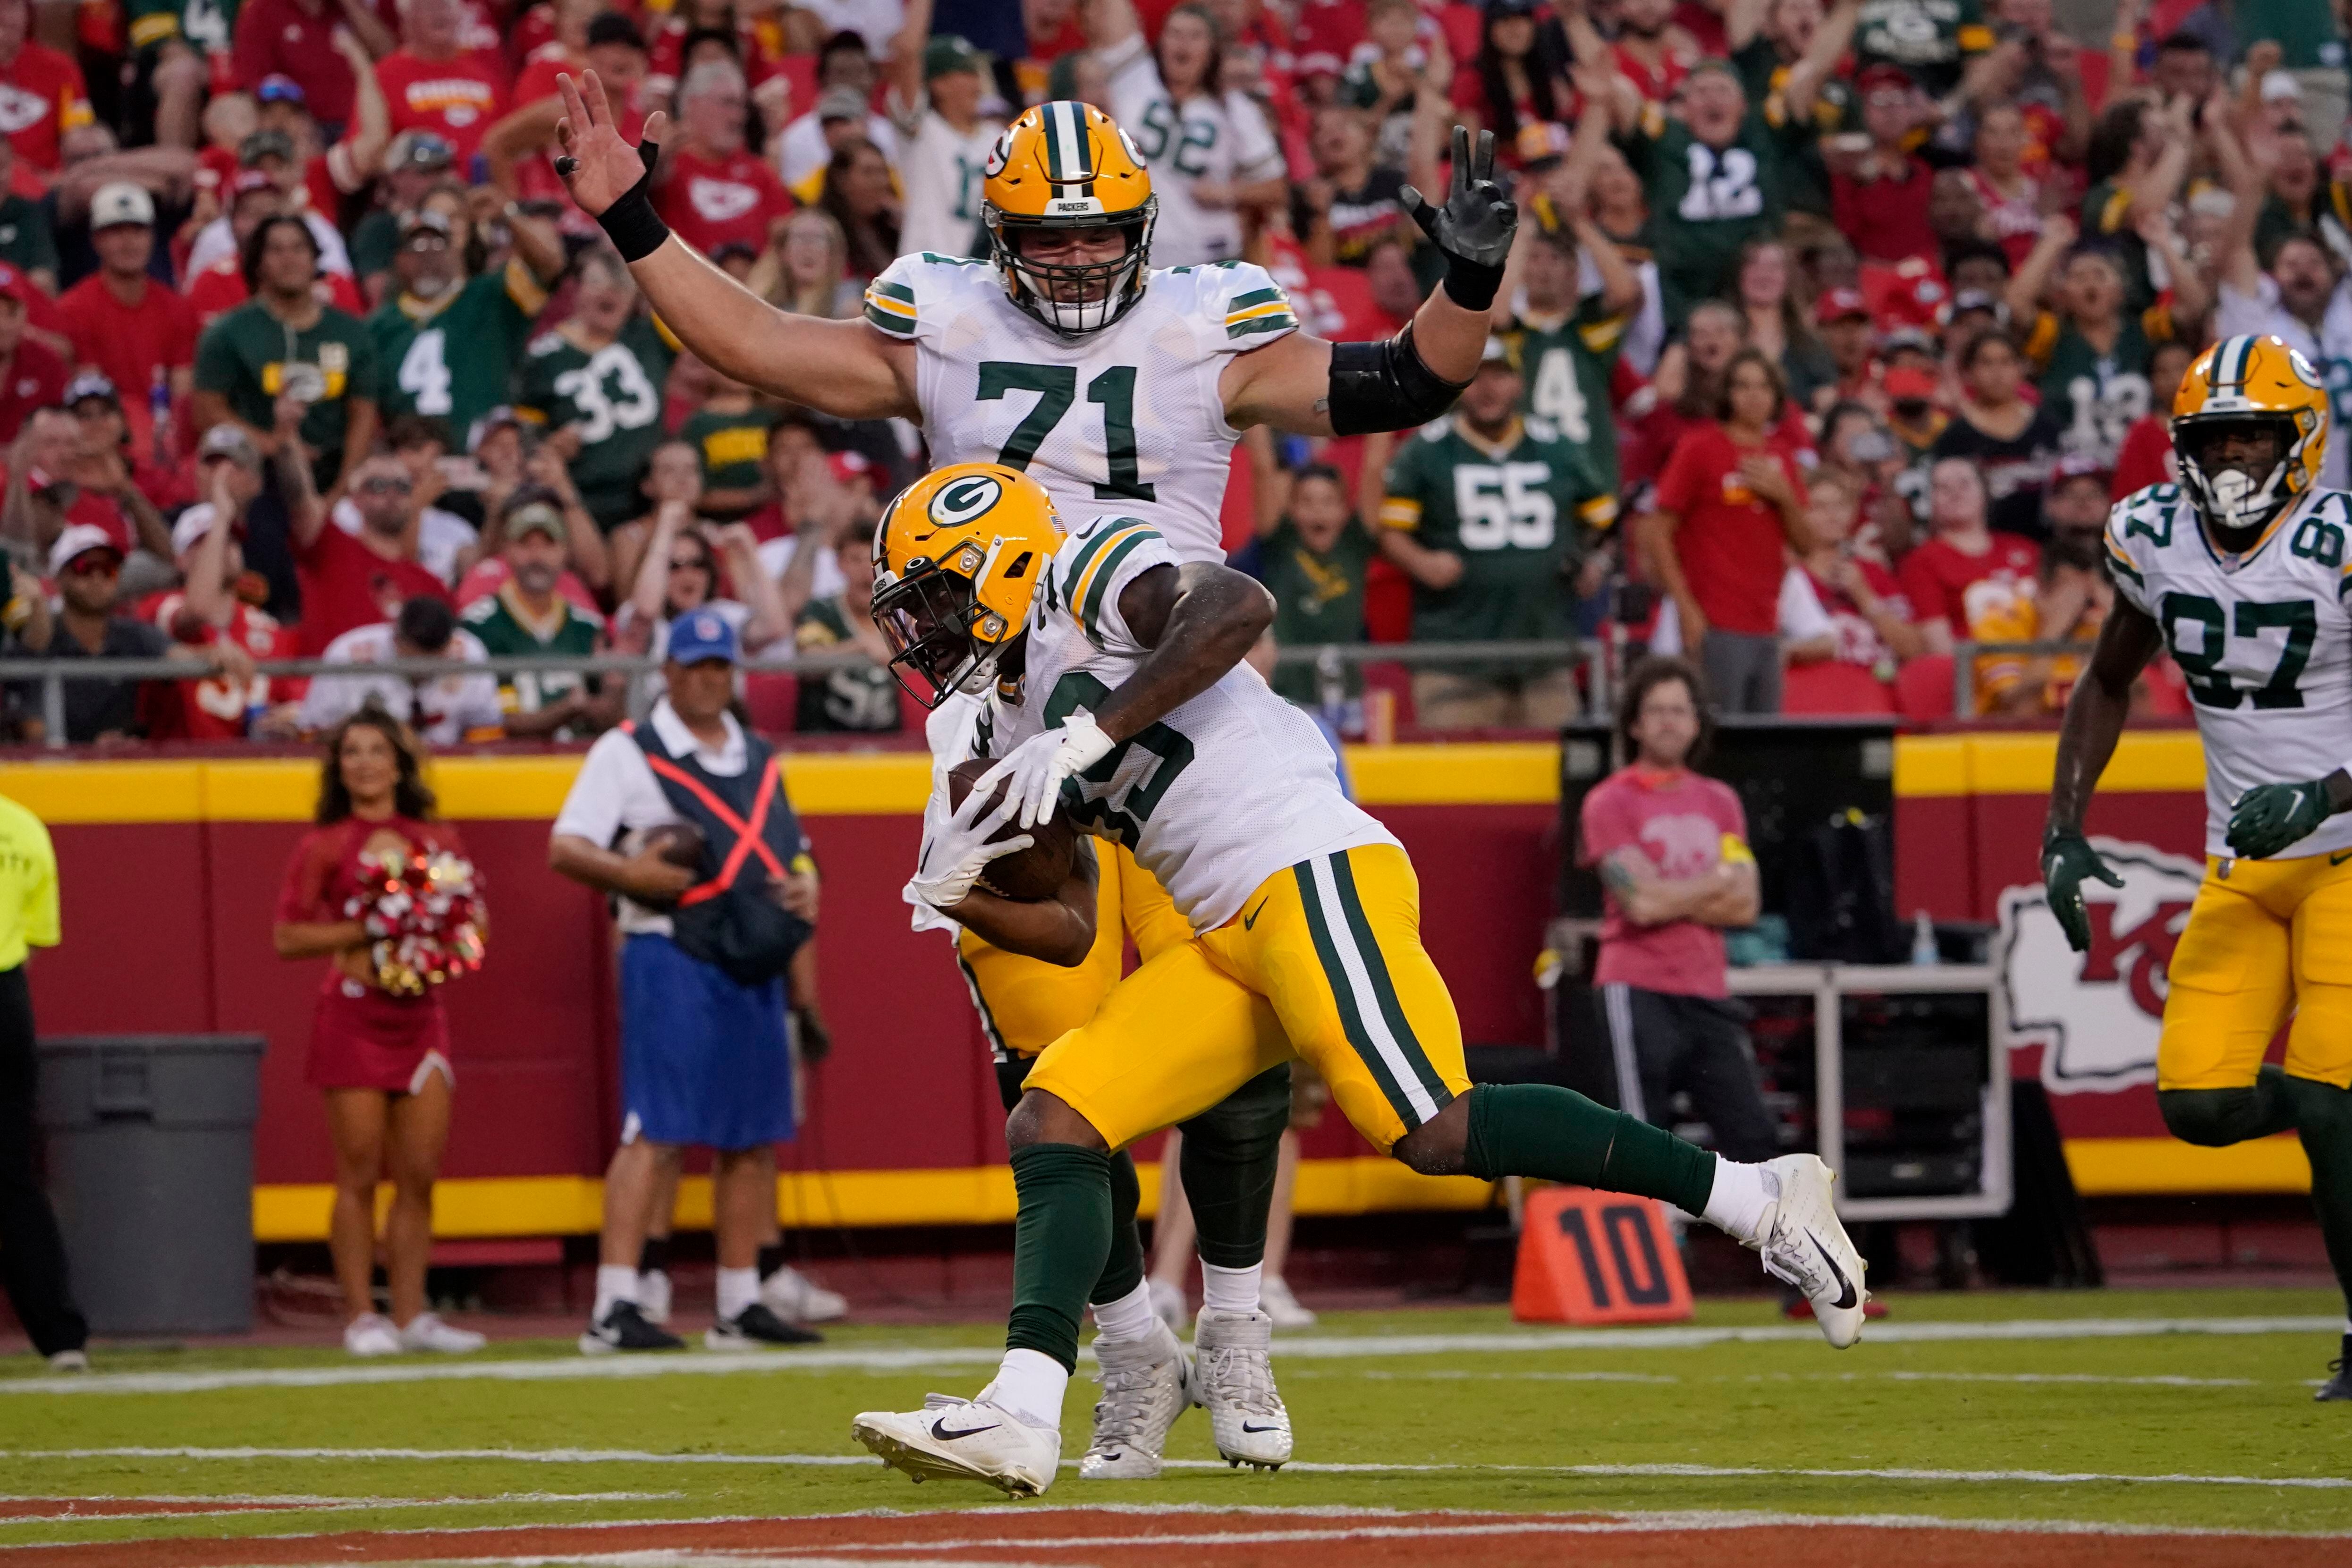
(2050, 1427)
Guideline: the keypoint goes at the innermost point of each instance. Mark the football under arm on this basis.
(1199, 620)
(2097, 709)
(1059, 931)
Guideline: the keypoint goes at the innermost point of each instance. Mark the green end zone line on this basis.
(1332, 1347)
(858, 1461)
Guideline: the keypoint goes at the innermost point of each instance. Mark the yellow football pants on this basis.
(1026, 1003)
(1326, 957)
(2267, 937)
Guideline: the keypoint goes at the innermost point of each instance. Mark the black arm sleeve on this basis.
(1386, 385)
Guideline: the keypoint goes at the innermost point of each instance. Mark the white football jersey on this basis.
(1127, 418)
(1230, 788)
(2264, 640)
(1223, 138)
(941, 169)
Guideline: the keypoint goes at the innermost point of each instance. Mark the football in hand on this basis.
(679, 843)
(1026, 876)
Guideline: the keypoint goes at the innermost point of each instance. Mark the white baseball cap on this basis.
(189, 529)
(121, 202)
(78, 540)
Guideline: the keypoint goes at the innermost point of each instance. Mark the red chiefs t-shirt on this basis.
(456, 100)
(213, 709)
(1886, 219)
(130, 342)
(1730, 538)
(346, 585)
(34, 378)
(1858, 641)
(1677, 820)
(1937, 576)
(42, 97)
(711, 202)
(282, 37)
(221, 287)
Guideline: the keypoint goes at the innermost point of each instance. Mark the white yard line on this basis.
(1333, 1347)
(637, 1456)
(259, 1504)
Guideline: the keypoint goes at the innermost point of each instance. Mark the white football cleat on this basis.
(1804, 1244)
(964, 1439)
(653, 1296)
(1274, 1295)
(1146, 1385)
(426, 1332)
(797, 1298)
(1233, 1379)
(371, 1334)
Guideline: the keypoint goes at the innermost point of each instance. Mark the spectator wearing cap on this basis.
(32, 375)
(713, 189)
(2012, 442)
(594, 385)
(730, 431)
(48, 95)
(1487, 566)
(1879, 196)
(938, 86)
(331, 166)
(303, 41)
(706, 1055)
(841, 113)
(1931, 41)
(433, 85)
(120, 320)
(447, 545)
(2092, 353)
(442, 709)
(91, 621)
(527, 615)
(1727, 508)
(2146, 457)
(212, 607)
(515, 150)
(1714, 174)
(96, 409)
(274, 154)
(448, 343)
(1914, 381)
(414, 165)
(1842, 317)
(349, 581)
(28, 239)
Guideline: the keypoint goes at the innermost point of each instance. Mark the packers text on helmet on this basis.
(2250, 428)
(1065, 167)
(956, 559)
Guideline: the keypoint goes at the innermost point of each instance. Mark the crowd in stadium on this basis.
(1831, 332)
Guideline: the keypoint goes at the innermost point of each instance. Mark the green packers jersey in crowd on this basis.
(1834, 108)
(1318, 597)
(733, 447)
(1564, 365)
(26, 241)
(860, 697)
(614, 396)
(453, 358)
(2096, 397)
(1932, 39)
(1706, 202)
(1513, 510)
(207, 24)
(506, 628)
(249, 356)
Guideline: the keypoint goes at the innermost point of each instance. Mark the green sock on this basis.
(1540, 1130)
(1229, 1153)
(1060, 1242)
(1124, 1271)
(2323, 1116)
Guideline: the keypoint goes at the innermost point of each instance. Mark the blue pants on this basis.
(703, 1060)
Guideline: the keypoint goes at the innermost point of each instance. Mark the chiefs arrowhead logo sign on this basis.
(2096, 1015)
(721, 201)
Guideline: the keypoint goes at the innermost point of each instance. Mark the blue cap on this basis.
(701, 635)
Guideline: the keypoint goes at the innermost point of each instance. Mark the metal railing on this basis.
(1966, 654)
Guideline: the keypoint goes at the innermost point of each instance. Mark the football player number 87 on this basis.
(1057, 386)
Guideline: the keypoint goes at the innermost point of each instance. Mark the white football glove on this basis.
(957, 851)
(1037, 767)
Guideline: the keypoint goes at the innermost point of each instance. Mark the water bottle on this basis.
(1923, 940)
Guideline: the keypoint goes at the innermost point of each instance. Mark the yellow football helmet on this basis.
(956, 559)
(1062, 166)
(2241, 386)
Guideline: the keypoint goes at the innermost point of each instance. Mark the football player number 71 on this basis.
(1057, 386)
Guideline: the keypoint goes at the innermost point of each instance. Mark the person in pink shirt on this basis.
(1671, 846)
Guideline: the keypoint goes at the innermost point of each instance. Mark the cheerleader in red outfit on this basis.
(382, 1059)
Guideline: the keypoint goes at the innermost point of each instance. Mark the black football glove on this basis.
(1473, 230)
(2067, 858)
(2268, 818)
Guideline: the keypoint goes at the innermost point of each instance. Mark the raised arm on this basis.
(305, 514)
(1819, 58)
(841, 368)
(906, 68)
(2024, 294)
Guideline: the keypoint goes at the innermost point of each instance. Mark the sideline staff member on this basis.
(705, 1058)
(32, 1254)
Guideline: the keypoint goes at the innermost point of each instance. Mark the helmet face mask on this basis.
(928, 617)
(1063, 168)
(1074, 298)
(2249, 431)
(957, 561)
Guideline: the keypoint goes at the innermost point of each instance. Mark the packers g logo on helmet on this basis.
(1066, 166)
(956, 560)
(2241, 387)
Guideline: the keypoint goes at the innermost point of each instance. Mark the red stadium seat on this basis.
(1833, 686)
(1923, 688)
(773, 699)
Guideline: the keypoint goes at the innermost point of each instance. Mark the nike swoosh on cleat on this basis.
(1845, 1287)
(940, 1427)
(2338, 858)
(1247, 1427)
(1249, 920)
